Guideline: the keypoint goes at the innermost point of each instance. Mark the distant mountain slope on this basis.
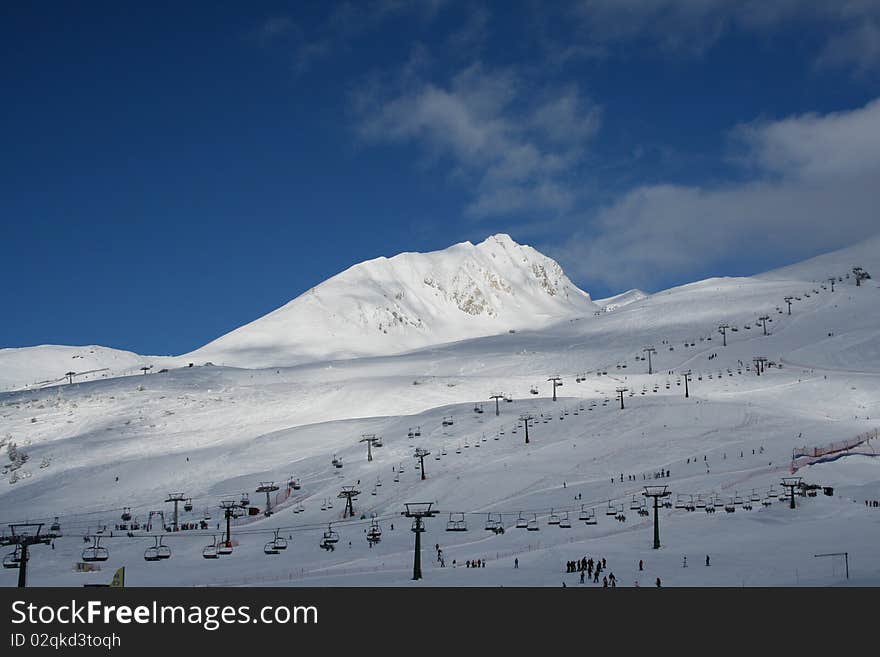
(49, 364)
(412, 300)
(620, 300)
(864, 254)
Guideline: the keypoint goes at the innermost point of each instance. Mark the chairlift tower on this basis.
(525, 419)
(229, 507)
(832, 280)
(155, 514)
(722, 329)
(175, 498)
(70, 376)
(759, 362)
(23, 535)
(348, 493)
(146, 368)
(791, 483)
(418, 511)
(496, 396)
(420, 455)
(687, 378)
(371, 440)
(788, 300)
(267, 487)
(763, 319)
(656, 492)
(620, 392)
(650, 350)
(557, 381)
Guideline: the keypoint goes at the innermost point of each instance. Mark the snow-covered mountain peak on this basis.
(411, 300)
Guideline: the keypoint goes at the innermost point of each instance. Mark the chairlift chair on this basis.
(224, 547)
(210, 551)
(701, 503)
(729, 507)
(13, 559)
(636, 504)
(158, 551)
(533, 523)
(565, 521)
(553, 519)
(611, 510)
(270, 548)
(95, 552)
(55, 528)
(521, 523)
(680, 502)
(591, 517)
(583, 515)
(279, 541)
(456, 523)
(126, 514)
(771, 492)
(330, 536)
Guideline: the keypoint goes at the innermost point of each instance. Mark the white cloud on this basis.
(514, 143)
(814, 189)
(858, 47)
(693, 26)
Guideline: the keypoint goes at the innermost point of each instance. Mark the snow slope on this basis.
(216, 432)
(619, 300)
(47, 365)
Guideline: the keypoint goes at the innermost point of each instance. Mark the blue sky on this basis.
(170, 171)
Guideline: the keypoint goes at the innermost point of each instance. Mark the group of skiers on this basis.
(660, 474)
(591, 569)
(872, 503)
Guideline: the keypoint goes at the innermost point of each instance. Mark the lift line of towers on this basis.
(25, 535)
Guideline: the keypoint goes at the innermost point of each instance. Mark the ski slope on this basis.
(215, 432)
